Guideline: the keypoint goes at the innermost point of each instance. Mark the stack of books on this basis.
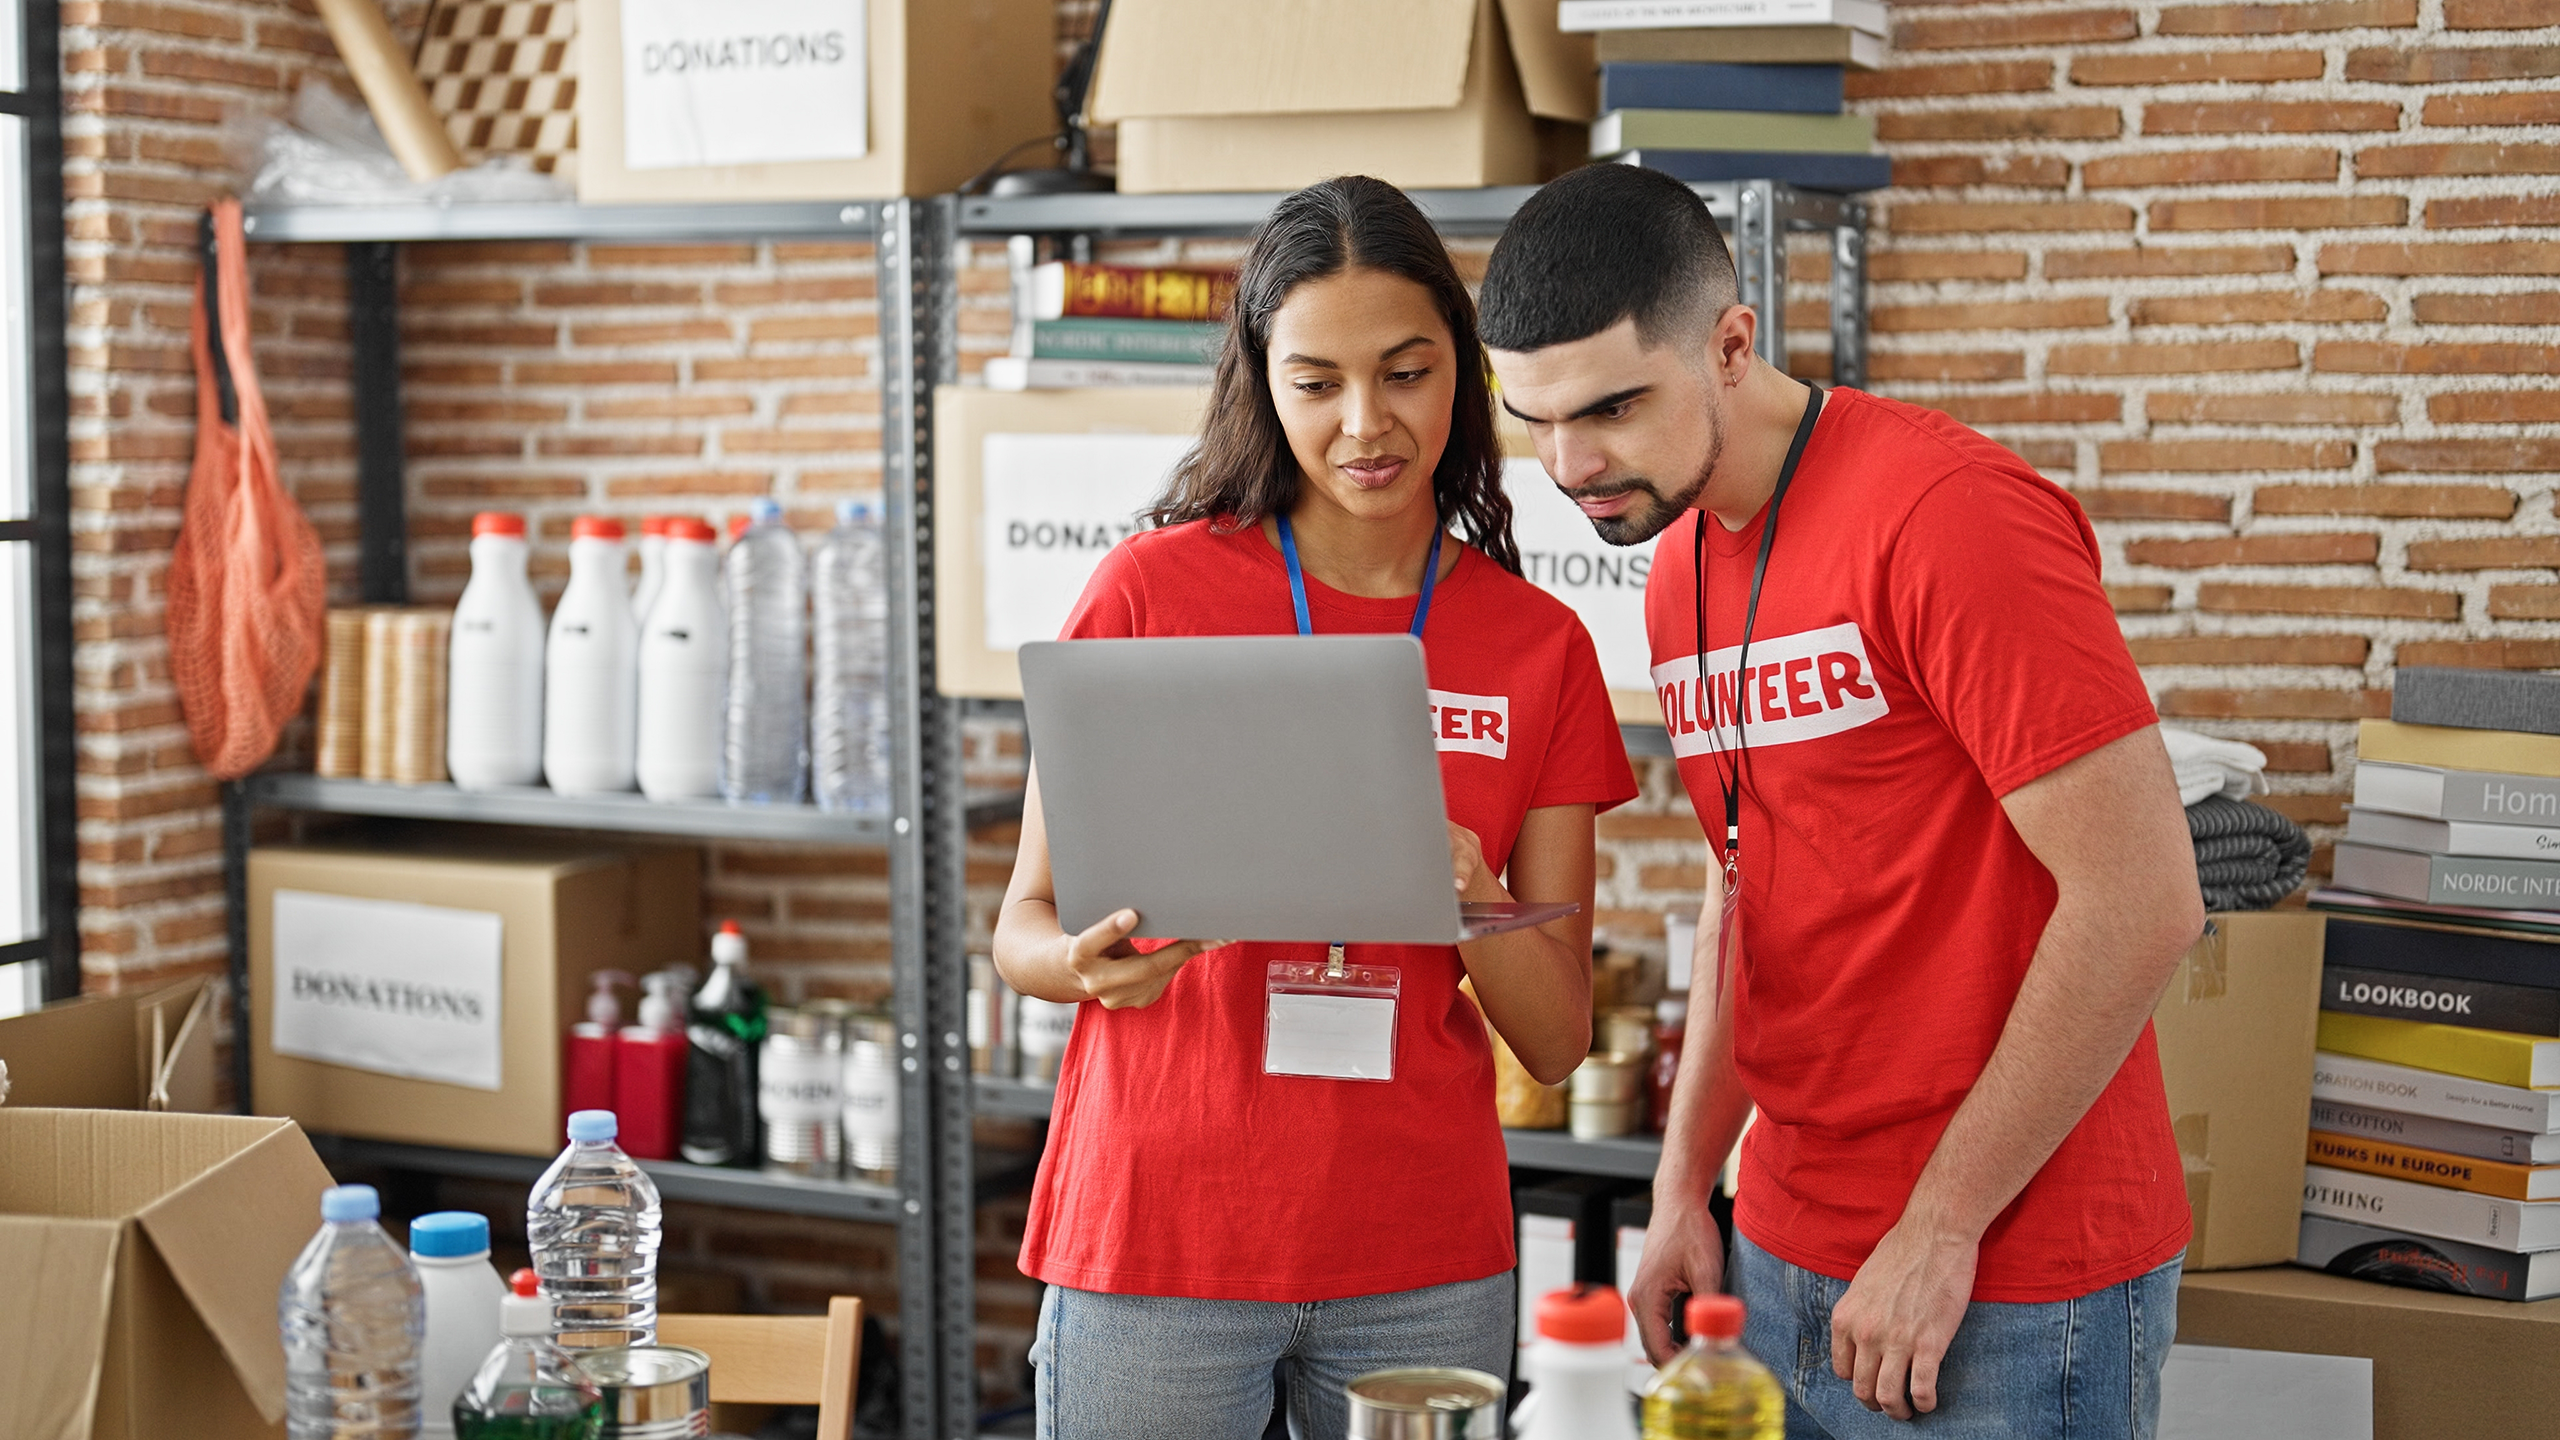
(1735, 89)
(2435, 1126)
(1077, 325)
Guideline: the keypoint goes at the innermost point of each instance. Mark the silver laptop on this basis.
(1262, 787)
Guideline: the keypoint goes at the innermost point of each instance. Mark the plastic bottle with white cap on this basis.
(493, 688)
(591, 678)
(451, 1252)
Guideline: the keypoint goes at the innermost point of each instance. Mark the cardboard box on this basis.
(148, 1050)
(559, 916)
(1072, 469)
(952, 85)
(140, 1255)
(2443, 1365)
(1468, 75)
(2236, 1035)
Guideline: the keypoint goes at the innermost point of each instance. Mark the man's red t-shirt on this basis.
(1932, 635)
(1175, 1166)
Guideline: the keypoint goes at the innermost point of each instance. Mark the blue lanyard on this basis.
(1298, 579)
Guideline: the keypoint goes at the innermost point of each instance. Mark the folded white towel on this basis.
(2206, 766)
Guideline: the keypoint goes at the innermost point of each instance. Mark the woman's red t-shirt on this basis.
(1175, 1166)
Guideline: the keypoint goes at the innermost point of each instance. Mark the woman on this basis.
(1200, 1221)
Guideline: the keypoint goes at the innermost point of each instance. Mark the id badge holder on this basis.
(1331, 1020)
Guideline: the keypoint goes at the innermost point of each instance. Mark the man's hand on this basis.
(1112, 971)
(1892, 1328)
(1475, 880)
(1683, 1256)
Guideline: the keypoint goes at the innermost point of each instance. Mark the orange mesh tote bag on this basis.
(246, 584)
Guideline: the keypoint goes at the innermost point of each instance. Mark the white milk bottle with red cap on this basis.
(493, 704)
(591, 682)
(684, 665)
(1577, 1369)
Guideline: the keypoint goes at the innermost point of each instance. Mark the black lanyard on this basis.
(1729, 779)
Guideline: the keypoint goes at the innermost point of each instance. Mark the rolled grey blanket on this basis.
(2248, 857)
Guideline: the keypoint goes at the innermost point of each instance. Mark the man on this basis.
(1908, 719)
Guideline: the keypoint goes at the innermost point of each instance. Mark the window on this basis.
(39, 936)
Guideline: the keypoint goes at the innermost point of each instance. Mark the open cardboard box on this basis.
(147, 1050)
(1217, 95)
(140, 1256)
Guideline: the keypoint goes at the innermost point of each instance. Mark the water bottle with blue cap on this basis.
(353, 1316)
(451, 1252)
(593, 1225)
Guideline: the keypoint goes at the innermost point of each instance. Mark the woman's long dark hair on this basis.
(1242, 469)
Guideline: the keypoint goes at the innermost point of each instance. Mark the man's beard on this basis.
(1646, 520)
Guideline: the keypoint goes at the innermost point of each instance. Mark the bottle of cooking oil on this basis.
(1714, 1390)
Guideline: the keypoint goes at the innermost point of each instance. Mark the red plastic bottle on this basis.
(586, 1059)
(648, 1073)
(1670, 1029)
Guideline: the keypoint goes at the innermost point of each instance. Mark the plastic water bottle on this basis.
(849, 705)
(684, 662)
(451, 1252)
(653, 551)
(353, 1316)
(593, 1225)
(591, 681)
(1578, 1369)
(764, 752)
(525, 1387)
(1714, 1389)
(493, 693)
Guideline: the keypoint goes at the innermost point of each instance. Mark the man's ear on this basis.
(1729, 343)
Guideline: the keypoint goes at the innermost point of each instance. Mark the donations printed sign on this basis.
(1604, 583)
(395, 988)
(743, 82)
(1052, 506)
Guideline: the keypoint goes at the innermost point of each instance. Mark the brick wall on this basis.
(2269, 286)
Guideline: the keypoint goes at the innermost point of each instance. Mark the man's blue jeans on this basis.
(2085, 1369)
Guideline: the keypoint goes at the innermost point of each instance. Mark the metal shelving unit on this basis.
(699, 1184)
(925, 835)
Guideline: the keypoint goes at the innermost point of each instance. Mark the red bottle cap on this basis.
(595, 527)
(655, 524)
(730, 927)
(1718, 1317)
(525, 1284)
(738, 525)
(497, 522)
(685, 527)
(1583, 1315)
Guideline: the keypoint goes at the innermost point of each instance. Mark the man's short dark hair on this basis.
(1602, 244)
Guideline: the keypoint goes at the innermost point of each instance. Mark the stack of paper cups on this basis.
(418, 695)
(341, 722)
(381, 645)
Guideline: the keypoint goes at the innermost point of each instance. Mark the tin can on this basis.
(1425, 1404)
(651, 1392)
(871, 1097)
(800, 1091)
(1042, 1027)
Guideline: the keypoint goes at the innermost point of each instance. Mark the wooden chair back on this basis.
(781, 1359)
